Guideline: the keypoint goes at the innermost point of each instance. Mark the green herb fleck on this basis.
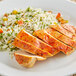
(26, 21)
(44, 11)
(1, 26)
(28, 9)
(30, 16)
(41, 27)
(17, 18)
(26, 15)
(42, 23)
(9, 34)
(35, 22)
(50, 22)
(44, 26)
(18, 12)
(38, 12)
(1, 37)
(15, 34)
(40, 18)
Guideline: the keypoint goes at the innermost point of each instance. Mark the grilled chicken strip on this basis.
(61, 37)
(26, 59)
(63, 31)
(30, 48)
(70, 28)
(42, 34)
(23, 35)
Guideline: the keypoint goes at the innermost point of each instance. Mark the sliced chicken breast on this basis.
(23, 35)
(63, 31)
(42, 34)
(30, 48)
(27, 59)
(70, 28)
(61, 37)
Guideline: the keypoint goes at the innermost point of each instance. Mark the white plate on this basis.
(58, 65)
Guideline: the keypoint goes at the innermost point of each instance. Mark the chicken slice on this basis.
(61, 37)
(70, 28)
(42, 34)
(30, 48)
(23, 35)
(27, 59)
(63, 31)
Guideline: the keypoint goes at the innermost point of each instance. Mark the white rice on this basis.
(33, 19)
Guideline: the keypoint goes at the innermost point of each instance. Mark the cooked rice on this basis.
(33, 19)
